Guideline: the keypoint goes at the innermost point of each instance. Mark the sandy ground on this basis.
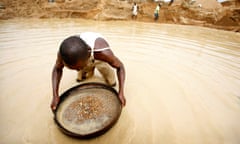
(210, 14)
(182, 83)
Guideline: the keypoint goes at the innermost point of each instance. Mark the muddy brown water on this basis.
(182, 84)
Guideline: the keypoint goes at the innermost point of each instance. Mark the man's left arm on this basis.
(110, 58)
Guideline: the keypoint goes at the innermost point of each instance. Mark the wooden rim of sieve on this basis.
(92, 85)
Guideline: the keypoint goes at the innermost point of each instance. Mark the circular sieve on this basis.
(88, 110)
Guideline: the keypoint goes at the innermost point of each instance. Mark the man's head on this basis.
(73, 51)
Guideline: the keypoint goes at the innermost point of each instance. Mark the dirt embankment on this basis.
(208, 13)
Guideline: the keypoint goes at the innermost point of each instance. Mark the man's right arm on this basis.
(56, 77)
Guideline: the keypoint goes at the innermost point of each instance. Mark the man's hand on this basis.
(55, 102)
(122, 99)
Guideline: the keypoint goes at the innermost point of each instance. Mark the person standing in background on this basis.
(156, 12)
(134, 11)
(170, 2)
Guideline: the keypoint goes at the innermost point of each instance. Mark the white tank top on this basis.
(135, 9)
(89, 38)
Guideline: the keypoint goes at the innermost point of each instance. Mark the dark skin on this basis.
(106, 56)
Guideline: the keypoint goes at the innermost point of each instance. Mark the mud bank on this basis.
(201, 12)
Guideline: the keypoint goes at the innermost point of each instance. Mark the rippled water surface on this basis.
(182, 84)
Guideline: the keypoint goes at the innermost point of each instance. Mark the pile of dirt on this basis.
(190, 12)
(21, 8)
(230, 21)
(226, 21)
(206, 4)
